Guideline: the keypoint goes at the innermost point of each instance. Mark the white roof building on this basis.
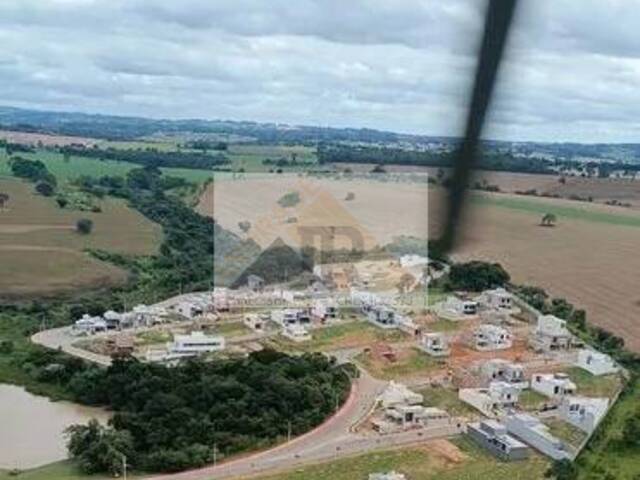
(553, 385)
(392, 475)
(254, 322)
(195, 344)
(411, 260)
(502, 370)
(596, 363)
(551, 333)
(492, 337)
(490, 401)
(296, 332)
(584, 413)
(498, 299)
(435, 344)
(453, 308)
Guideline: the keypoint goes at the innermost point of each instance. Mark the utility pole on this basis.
(288, 431)
(124, 466)
(215, 454)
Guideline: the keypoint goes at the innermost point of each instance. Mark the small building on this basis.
(551, 334)
(553, 385)
(112, 319)
(255, 283)
(489, 337)
(189, 309)
(536, 434)
(89, 325)
(454, 308)
(399, 394)
(291, 316)
(412, 260)
(392, 475)
(583, 412)
(596, 363)
(504, 371)
(325, 309)
(493, 436)
(296, 332)
(498, 397)
(435, 344)
(254, 322)
(195, 343)
(405, 417)
(382, 316)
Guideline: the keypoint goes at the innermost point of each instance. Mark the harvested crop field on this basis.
(41, 253)
(44, 139)
(590, 257)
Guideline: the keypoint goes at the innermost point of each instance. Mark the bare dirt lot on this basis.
(590, 257)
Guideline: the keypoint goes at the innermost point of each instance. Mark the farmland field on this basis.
(40, 251)
(500, 227)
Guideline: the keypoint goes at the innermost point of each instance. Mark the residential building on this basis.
(498, 397)
(296, 332)
(498, 299)
(502, 370)
(553, 385)
(325, 309)
(112, 319)
(492, 337)
(255, 283)
(195, 344)
(254, 322)
(189, 309)
(405, 417)
(411, 260)
(435, 344)
(382, 316)
(291, 316)
(596, 363)
(536, 434)
(493, 436)
(89, 325)
(454, 308)
(551, 334)
(392, 475)
(584, 413)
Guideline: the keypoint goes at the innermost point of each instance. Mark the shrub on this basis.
(84, 226)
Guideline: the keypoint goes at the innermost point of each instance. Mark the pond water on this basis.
(31, 427)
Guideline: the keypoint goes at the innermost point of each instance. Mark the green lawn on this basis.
(447, 399)
(56, 471)
(530, 399)
(77, 166)
(594, 386)
(565, 431)
(231, 329)
(420, 464)
(540, 207)
(444, 325)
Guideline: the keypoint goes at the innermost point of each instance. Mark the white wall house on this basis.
(195, 344)
(596, 363)
(189, 309)
(551, 334)
(504, 371)
(411, 260)
(553, 385)
(405, 417)
(325, 309)
(489, 337)
(535, 433)
(584, 413)
(435, 344)
(498, 299)
(454, 308)
(296, 333)
(291, 316)
(89, 325)
(490, 401)
(254, 322)
(383, 316)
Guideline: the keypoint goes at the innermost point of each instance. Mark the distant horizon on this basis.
(293, 125)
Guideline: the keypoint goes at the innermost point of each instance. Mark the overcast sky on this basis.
(572, 71)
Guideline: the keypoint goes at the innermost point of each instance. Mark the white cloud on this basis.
(572, 69)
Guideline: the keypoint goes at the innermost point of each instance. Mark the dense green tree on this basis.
(476, 276)
(84, 226)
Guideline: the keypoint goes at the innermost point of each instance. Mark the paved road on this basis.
(61, 339)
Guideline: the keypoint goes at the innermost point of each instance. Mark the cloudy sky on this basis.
(572, 71)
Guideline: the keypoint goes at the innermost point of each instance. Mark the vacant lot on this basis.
(40, 251)
(590, 257)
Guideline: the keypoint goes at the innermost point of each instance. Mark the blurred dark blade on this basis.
(496, 29)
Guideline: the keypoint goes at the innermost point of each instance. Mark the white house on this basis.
(89, 325)
(553, 385)
(453, 308)
(584, 413)
(383, 316)
(490, 401)
(493, 436)
(112, 319)
(196, 343)
(498, 299)
(492, 337)
(411, 260)
(535, 433)
(255, 283)
(325, 309)
(392, 475)
(405, 417)
(254, 322)
(596, 363)
(551, 334)
(435, 344)
(296, 332)
(504, 371)
(291, 316)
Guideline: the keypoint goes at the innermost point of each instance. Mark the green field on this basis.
(542, 206)
(56, 471)
(594, 386)
(447, 399)
(421, 464)
(74, 167)
(410, 362)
